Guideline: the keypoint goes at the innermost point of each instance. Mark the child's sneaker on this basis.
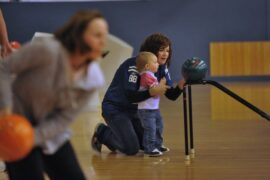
(163, 149)
(154, 153)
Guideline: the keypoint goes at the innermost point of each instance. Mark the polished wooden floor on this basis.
(231, 141)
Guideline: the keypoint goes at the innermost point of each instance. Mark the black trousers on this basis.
(61, 165)
(124, 132)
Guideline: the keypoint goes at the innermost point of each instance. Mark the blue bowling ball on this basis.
(194, 69)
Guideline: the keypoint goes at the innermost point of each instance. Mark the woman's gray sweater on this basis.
(36, 82)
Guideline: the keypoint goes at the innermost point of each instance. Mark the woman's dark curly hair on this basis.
(155, 42)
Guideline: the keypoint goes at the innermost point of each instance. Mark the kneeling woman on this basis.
(124, 131)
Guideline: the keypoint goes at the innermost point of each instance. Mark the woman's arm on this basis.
(6, 48)
(60, 119)
(27, 58)
(137, 96)
(132, 84)
(173, 93)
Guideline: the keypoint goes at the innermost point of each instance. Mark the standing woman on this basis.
(50, 89)
(124, 131)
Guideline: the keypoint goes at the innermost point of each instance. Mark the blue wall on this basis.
(268, 18)
(191, 24)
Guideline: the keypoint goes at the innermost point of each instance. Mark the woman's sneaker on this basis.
(154, 153)
(95, 143)
(163, 149)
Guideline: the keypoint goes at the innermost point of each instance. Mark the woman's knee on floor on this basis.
(130, 148)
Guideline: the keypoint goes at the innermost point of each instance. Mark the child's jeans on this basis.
(152, 123)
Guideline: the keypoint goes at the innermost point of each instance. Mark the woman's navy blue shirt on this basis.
(122, 94)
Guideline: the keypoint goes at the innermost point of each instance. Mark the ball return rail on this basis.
(187, 111)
